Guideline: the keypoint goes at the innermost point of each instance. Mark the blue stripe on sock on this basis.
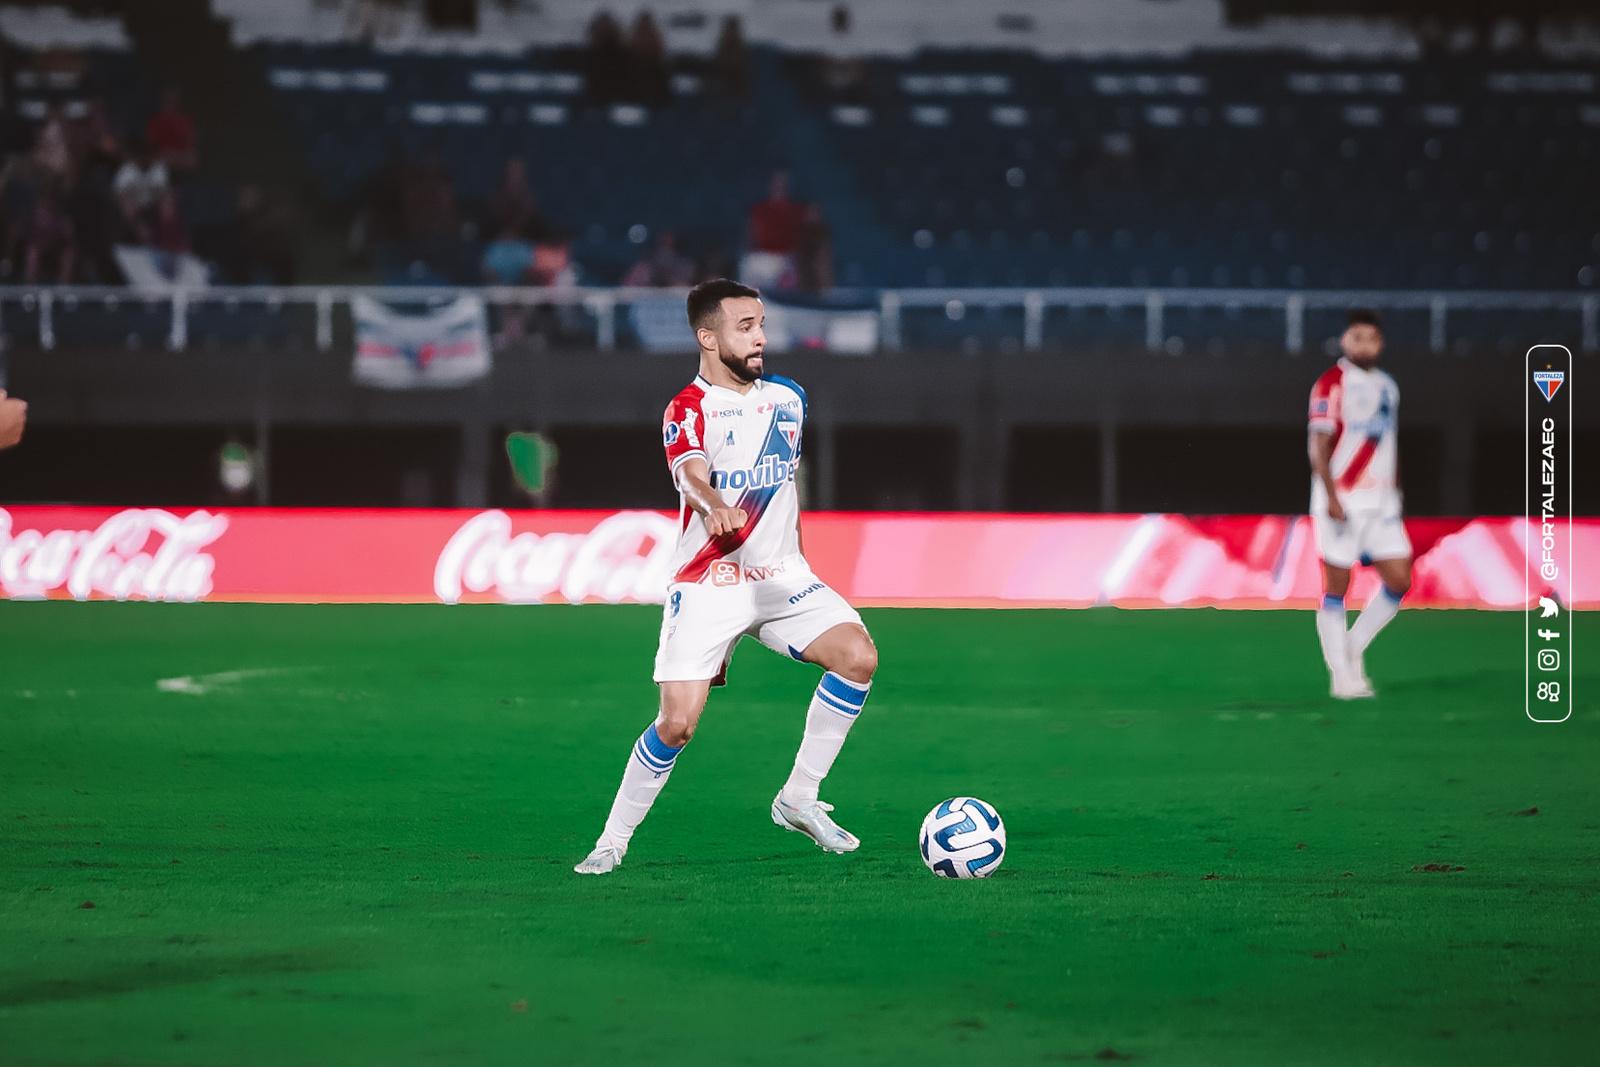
(1392, 595)
(844, 690)
(658, 748)
(1332, 602)
(834, 705)
(650, 761)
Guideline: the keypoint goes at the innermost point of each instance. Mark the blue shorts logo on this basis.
(807, 591)
(675, 604)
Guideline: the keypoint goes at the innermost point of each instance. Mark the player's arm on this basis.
(1320, 449)
(13, 417)
(694, 480)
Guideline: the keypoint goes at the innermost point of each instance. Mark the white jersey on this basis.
(751, 443)
(1360, 409)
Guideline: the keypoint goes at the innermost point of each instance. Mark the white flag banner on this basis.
(440, 348)
(843, 331)
(660, 326)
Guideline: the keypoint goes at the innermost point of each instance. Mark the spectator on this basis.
(13, 418)
(552, 263)
(93, 210)
(508, 259)
(95, 137)
(662, 266)
(647, 61)
(258, 247)
(170, 133)
(47, 240)
(731, 62)
(52, 147)
(168, 231)
(432, 226)
(841, 73)
(814, 255)
(428, 200)
(775, 222)
(512, 205)
(606, 62)
(774, 236)
(140, 181)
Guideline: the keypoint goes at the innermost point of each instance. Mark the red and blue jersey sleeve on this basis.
(1325, 396)
(683, 429)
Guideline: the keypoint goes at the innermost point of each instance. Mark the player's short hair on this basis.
(705, 299)
(1364, 317)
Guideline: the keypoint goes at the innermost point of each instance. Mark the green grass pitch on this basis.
(344, 835)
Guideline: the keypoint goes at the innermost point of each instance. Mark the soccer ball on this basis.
(963, 838)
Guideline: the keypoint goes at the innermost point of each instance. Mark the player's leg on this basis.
(1383, 541)
(1337, 545)
(650, 764)
(1381, 609)
(1332, 632)
(849, 660)
(699, 628)
(814, 624)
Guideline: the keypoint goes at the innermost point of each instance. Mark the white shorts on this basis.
(1365, 535)
(701, 622)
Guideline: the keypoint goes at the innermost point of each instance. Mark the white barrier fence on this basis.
(613, 309)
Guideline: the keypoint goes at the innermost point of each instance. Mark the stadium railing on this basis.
(608, 318)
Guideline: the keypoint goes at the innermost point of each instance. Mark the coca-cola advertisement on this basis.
(576, 557)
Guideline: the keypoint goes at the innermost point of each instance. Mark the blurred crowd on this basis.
(414, 229)
(631, 66)
(412, 225)
(75, 188)
(84, 201)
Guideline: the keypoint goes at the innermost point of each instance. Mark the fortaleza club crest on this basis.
(1549, 381)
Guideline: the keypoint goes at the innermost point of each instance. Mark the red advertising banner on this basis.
(936, 560)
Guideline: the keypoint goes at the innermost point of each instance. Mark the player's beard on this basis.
(740, 368)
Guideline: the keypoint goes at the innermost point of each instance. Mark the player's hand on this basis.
(723, 521)
(1335, 509)
(13, 416)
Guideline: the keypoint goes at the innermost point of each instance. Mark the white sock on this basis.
(1374, 617)
(647, 771)
(833, 711)
(1331, 631)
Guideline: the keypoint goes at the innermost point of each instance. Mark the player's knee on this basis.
(675, 730)
(1398, 586)
(860, 661)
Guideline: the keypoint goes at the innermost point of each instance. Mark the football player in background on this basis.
(1355, 499)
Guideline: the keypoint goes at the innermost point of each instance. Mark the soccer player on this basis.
(1355, 499)
(733, 441)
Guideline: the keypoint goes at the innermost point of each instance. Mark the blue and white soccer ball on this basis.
(963, 838)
